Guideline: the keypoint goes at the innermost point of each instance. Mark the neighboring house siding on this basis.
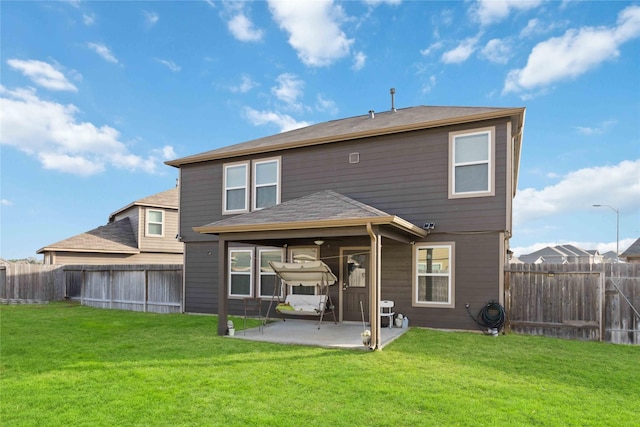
(201, 272)
(168, 242)
(75, 258)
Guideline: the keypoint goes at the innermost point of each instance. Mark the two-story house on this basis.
(142, 232)
(417, 201)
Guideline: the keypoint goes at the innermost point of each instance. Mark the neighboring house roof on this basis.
(318, 210)
(115, 237)
(169, 199)
(632, 251)
(541, 255)
(385, 123)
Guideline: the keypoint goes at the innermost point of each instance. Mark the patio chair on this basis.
(386, 310)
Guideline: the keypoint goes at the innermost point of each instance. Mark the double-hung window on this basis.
(266, 178)
(471, 163)
(251, 185)
(250, 273)
(268, 283)
(155, 223)
(433, 280)
(236, 188)
(240, 272)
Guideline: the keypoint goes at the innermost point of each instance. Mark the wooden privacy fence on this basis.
(599, 302)
(153, 288)
(31, 282)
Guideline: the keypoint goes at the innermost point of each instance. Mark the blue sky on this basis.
(95, 96)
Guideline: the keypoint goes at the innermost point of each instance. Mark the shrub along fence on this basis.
(599, 302)
(153, 288)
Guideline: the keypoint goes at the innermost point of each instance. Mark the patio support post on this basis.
(223, 265)
(374, 286)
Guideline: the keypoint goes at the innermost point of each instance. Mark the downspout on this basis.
(374, 294)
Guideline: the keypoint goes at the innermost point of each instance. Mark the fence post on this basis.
(507, 301)
(602, 283)
(146, 289)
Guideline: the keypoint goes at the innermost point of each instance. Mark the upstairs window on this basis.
(236, 191)
(155, 223)
(266, 177)
(471, 166)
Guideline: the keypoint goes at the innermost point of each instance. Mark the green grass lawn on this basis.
(63, 364)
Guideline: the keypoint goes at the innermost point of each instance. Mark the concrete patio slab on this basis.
(305, 332)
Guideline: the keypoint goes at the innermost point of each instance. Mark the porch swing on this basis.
(312, 273)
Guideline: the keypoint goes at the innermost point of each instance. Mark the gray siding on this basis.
(403, 174)
(201, 276)
(200, 199)
(477, 276)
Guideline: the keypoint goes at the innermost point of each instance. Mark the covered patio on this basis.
(322, 215)
(345, 335)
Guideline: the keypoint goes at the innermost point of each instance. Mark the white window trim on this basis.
(148, 222)
(491, 179)
(250, 273)
(451, 275)
(255, 186)
(225, 188)
(260, 273)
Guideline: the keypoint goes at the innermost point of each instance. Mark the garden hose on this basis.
(490, 318)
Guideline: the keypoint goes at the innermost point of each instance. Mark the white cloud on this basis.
(314, 30)
(492, 11)
(379, 2)
(245, 85)
(243, 29)
(51, 133)
(617, 185)
(151, 18)
(429, 85)
(435, 46)
(460, 53)
(282, 121)
(497, 51)
(103, 51)
(574, 53)
(359, 59)
(596, 130)
(169, 64)
(5, 202)
(326, 105)
(88, 19)
(42, 74)
(289, 89)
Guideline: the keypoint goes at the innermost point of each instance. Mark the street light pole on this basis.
(617, 227)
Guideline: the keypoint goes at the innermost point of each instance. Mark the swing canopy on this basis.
(311, 273)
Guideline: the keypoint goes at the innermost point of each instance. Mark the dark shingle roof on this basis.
(402, 120)
(633, 250)
(325, 207)
(169, 199)
(115, 237)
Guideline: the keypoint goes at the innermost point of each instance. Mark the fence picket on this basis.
(575, 301)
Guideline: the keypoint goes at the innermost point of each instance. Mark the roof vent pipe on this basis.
(372, 114)
(393, 93)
